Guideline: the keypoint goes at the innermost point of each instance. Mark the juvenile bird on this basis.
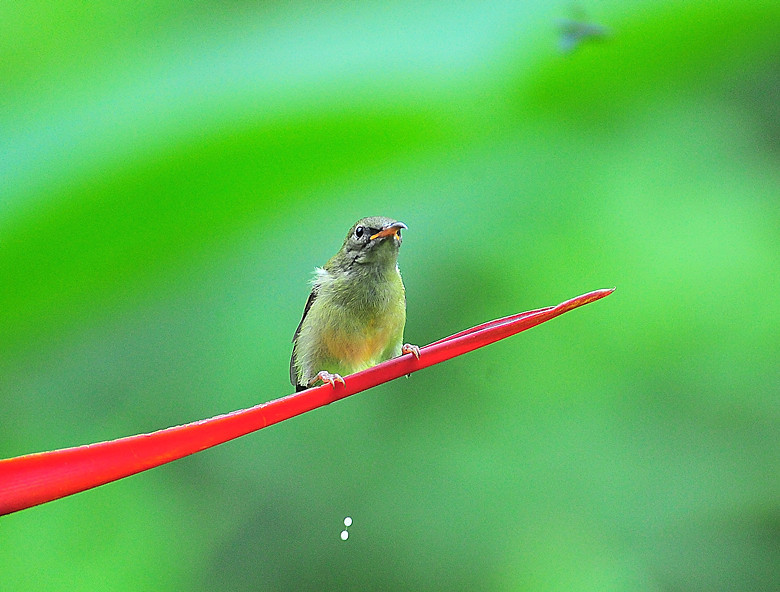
(356, 312)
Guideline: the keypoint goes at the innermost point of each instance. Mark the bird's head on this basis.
(373, 240)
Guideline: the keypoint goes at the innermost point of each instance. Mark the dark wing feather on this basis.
(293, 373)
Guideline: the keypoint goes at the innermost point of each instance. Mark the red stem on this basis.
(33, 479)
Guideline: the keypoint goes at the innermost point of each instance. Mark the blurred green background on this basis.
(170, 175)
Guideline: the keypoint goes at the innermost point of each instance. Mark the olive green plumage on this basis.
(356, 312)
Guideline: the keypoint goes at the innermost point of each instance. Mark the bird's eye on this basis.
(359, 231)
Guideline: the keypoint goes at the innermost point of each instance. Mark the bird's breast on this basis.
(360, 318)
(361, 347)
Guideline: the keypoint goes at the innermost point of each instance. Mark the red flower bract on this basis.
(33, 479)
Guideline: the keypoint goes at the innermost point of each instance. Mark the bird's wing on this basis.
(293, 373)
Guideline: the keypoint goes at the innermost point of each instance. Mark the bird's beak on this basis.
(390, 230)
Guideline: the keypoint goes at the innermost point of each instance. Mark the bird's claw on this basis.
(408, 348)
(327, 377)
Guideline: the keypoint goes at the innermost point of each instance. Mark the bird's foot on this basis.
(327, 377)
(408, 348)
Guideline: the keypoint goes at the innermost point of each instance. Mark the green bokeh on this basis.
(171, 173)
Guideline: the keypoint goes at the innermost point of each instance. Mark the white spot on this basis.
(348, 521)
(344, 535)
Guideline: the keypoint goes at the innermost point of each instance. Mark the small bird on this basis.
(356, 312)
